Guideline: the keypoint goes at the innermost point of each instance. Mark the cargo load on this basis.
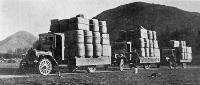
(147, 52)
(88, 50)
(94, 25)
(102, 27)
(88, 37)
(106, 50)
(141, 52)
(150, 34)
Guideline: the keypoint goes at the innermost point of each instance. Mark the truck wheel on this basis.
(45, 66)
(91, 69)
(147, 66)
(23, 66)
(121, 65)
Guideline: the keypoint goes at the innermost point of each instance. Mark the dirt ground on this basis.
(188, 76)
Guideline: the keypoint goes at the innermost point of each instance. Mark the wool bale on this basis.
(79, 20)
(88, 38)
(88, 50)
(154, 35)
(141, 52)
(147, 54)
(106, 50)
(79, 26)
(150, 34)
(174, 43)
(151, 52)
(97, 50)
(94, 25)
(146, 42)
(189, 49)
(151, 45)
(155, 44)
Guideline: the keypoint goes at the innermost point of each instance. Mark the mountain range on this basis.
(21, 39)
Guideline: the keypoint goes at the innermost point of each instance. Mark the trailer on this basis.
(166, 54)
(121, 56)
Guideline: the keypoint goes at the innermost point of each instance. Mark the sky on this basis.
(34, 15)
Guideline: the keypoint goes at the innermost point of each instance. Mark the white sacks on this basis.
(147, 52)
(157, 52)
(97, 50)
(94, 25)
(102, 27)
(150, 34)
(105, 40)
(141, 52)
(96, 38)
(174, 43)
(76, 36)
(106, 50)
(88, 50)
(88, 37)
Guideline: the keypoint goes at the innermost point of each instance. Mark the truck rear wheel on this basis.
(121, 65)
(45, 66)
(91, 69)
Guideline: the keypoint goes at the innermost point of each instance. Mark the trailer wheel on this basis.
(91, 69)
(121, 65)
(23, 66)
(45, 66)
(146, 66)
(184, 65)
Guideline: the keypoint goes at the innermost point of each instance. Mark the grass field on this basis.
(188, 76)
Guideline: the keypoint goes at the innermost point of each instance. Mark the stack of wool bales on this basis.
(78, 37)
(140, 41)
(183, 51)
(145, 41)
(153, 44)
(105, 39)
(101, 41)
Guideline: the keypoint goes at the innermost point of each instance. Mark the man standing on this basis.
(134, 58)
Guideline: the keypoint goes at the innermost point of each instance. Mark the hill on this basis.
(21, 39)
(168, 22)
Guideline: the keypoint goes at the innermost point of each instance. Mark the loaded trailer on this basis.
(179, 50)
(143, 41)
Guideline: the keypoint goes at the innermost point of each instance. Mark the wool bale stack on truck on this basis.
(72, 43)
(143, 40)
(178, 49)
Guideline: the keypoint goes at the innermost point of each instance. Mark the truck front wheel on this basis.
(45, 66)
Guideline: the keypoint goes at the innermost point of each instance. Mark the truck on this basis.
(166, 54)
(51, 54)
(121, 56)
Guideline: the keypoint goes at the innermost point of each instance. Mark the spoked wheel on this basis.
(91, 69)
(45, 66)
(147, 66)
(121, 65)
(23, 66)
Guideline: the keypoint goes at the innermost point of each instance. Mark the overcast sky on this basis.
(34, 15)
